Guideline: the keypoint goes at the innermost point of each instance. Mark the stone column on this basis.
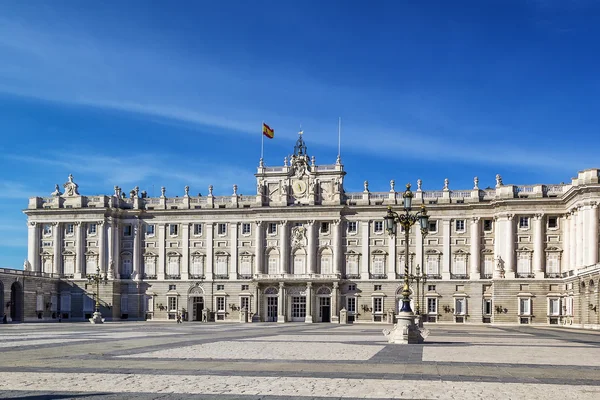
(137, 243)
(117, 249)
(573, 250)
(337, 246)
(210, 234)
(110, 246)
(281, 303)
(498, 235)
(101, 227)
(233, 232)
(419, 248)
(335, 294)
(309, 303)
(79, 256)
(259, 249)
(312, 248)
(392, 257)
(579, 235)
(566, 256)
(593, 235)
(160, 268)
(539, 254)
(475, 257)
(257, 301)
(446, 250)
(57, 246)
(509, 261)
(185, 251)
(284, 256)
(365, 256)
(33, 246)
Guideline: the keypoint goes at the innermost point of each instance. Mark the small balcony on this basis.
(352, 276)
(378, 276)
(297, 277)
(221, 276)
(527, 275)
(244, 276)
(553, 275)
(196, 276)
(459, 276)
(172, 276)
(487, 276)
(150, 277)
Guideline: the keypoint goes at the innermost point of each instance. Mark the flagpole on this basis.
(262, 141)
(339, 157)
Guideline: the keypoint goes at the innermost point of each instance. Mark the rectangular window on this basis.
(352, 227)
(377, 304)
(272, 228)
(172, 303)
(245, 288)
(432, 226)
(487, 307)
(220, 287)
(351, 304)
(222, 229)
(377, 287)
(378, 226)
(273, 265)
(69, 229)
(352, 265)
(378, 265)
(324, 227)
(552, 222)
(92, 229)
(246, 229)
(524, 222)
(47, 229)
(172, 287)
(39, 303)
(197, 229)
(431, 288)
(150, 230)
(525, 306)
(432, 305)
(220, 304)
(173, 229)
(460, 225)
(351, 287)
(487, 225)
(245, 303)
(433, 265)
(126, 230)
(554, 306)
(460, 307)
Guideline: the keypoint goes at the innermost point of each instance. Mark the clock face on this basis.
(299, 187)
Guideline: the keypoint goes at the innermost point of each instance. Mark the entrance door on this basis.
(272, 309)
(298, 308)
(197, 307)
(325, 307)
(16, 301)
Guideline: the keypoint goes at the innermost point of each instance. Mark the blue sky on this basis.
(138, 93)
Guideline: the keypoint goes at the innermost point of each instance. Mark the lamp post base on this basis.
(406, 331)
(97, 318)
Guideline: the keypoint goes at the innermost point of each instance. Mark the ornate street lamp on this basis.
(405, 331)
(97, 278)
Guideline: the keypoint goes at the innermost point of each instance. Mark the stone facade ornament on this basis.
(26, 265)
(285, 160)
(235, 187)
(476, 183)
(392, 186)
(498, 180)
(260, 187)
(56, 191)
(366, 185)
(313, 161)
(298, 236)
(186, 191)
(71, 187)
(446, 183)
(210, 190)
(163, 190)
(419, 183)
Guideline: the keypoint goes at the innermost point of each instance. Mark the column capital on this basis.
(76, 223)
(538, 216)
(336, 222)
(282, 223)
(281, 285)
(309, 285)
(259, 224)
(32, 223)
(101, 222)
(336, 285)
(510, 217)
(475, 220)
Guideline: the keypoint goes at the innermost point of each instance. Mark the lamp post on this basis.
(97, 278)
(420, 278)
(406, 331)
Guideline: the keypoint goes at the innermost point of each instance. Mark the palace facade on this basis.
(303, 249)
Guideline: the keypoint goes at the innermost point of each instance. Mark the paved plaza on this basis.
(268, 361)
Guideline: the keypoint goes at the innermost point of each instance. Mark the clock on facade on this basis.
(299, 187)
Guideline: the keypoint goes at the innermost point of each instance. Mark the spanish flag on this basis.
(268, 132)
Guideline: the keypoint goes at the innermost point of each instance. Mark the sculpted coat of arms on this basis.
(298, 236)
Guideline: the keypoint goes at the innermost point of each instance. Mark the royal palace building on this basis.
(302, 249)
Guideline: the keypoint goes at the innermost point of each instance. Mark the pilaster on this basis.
(573, 255)
(110, 247)
(284, 240)
(136, 268)
(364, 259)
(57, 247)
(566, 258)
(538, 246)
(594, 233)
(281, 303)
(475, 256)
(392, 257)
(160, 268)
(259, 248)
(335, 295)
(509, 262)
(419, 248)
(233, 237)
(117, 249)
(185, 248)
(79, 257)
(101, 227)
(446, 256)
(579, 236)
(210, 234)
(337, 246)
(309, 303)
(312, 248)
(33, 246)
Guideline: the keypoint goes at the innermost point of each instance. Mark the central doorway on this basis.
(325, 309)
(197, 307)
(298, 308)
(272, 309)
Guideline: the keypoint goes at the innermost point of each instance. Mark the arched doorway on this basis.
(16, 302)
(324, 304)
(195, 303)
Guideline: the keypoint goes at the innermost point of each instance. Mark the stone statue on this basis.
(26, 265)
(312, 186)
(313, 161)
(56, 191)
(163, 190)
(419, 183)
(137, 191)
(284, 188)
(285, 160)
(260, 187)
(187, 191)
(235, 190)
(210, 190)
(476, 183)
(392, 186)
(116, 191)
(366, 185)
(446, 183)
(498, 180)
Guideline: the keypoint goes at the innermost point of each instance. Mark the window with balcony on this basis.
(378, 265)
(246, 267)
(433, 265)
(488, 266)
(150, 266)
(459, 269)
(273, 264)
(553, 265)
(197, 269)
(352, 266)
(524, 265)
(221, 267)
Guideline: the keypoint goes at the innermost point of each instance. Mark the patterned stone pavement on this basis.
(137, 360)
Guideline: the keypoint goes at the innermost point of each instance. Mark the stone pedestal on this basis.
(406, 331)
(343, 316)
(97, 318)
(244, 315)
